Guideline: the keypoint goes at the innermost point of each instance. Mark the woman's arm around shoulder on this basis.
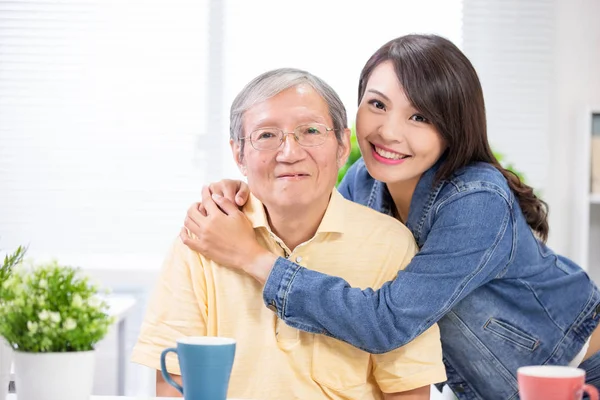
(469, 243)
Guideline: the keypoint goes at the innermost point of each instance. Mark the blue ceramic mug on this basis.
(205, 363)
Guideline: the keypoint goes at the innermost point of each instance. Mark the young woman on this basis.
(502, 299)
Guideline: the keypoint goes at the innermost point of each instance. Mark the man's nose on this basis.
(291, 150)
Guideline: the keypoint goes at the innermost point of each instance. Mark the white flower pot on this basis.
(6, 357)
(54, 376)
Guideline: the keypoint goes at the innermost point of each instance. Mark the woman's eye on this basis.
(377, 104)
(419, 118)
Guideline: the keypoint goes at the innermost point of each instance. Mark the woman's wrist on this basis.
(260, 265)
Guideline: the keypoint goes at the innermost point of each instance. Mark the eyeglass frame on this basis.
(284, 135)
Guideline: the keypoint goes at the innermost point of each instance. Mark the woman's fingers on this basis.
(212, 209)
(202, 210)
(226, 205)
(192, 226)
(243, 194)
(196, 212)
(225, 188)
(184, 236)
(235, 191)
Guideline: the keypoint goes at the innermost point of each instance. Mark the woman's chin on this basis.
(383, 173)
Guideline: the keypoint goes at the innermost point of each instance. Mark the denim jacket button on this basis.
(459, 389)
(272, 306)
(597, 311)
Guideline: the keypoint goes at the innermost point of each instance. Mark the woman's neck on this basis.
(402, 193)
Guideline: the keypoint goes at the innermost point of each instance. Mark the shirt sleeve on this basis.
(470, 242)
(414, 365)
(177, 308)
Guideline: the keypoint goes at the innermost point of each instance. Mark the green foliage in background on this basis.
(50, 308)
(509, 166)
(355, 155)
(10, 261)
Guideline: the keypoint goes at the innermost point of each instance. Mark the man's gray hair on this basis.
(271, 83)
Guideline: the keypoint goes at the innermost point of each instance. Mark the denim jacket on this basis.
(502, 299)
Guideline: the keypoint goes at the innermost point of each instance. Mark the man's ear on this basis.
(238, 155)
(344, 148)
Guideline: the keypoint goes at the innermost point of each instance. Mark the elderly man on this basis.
(289, 137)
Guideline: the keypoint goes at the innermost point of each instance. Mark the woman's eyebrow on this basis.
(377, 92)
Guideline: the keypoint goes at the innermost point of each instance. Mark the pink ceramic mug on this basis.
(548, 382)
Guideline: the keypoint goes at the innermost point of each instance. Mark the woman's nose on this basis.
(392, 130)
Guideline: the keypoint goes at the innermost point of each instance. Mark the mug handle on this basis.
(591, 391)
(170, 381)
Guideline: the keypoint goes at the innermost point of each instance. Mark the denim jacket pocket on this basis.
(508, 332)
(337, 365)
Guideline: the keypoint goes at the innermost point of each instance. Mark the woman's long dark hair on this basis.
(441, 83)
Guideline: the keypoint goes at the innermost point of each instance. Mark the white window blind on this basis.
(102, 122)
(113, 113)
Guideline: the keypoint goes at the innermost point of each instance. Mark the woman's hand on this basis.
(221, 232)
(235, 191)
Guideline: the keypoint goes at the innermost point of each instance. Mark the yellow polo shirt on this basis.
(195, 297)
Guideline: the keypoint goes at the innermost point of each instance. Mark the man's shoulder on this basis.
(373, 237)
(366, 221)
(179, 254)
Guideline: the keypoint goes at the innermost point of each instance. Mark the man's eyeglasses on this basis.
(307, 135)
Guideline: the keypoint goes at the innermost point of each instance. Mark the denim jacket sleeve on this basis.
(467, 246)
(345, 186)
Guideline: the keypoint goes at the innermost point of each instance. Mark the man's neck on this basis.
(296, 225)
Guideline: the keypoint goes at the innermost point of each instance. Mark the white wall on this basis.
(576, 86)
(539, 63)
(102, 135)
(113, 114)
(511, 45)
(332, 39)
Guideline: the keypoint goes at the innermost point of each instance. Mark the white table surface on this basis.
(119, 305)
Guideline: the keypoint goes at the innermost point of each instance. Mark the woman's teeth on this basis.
(388, 154)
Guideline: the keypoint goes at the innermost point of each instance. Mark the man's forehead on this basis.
(301, 104)
(273, 119)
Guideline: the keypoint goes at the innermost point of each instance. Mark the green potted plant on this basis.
(6, 353)
(52, 317)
